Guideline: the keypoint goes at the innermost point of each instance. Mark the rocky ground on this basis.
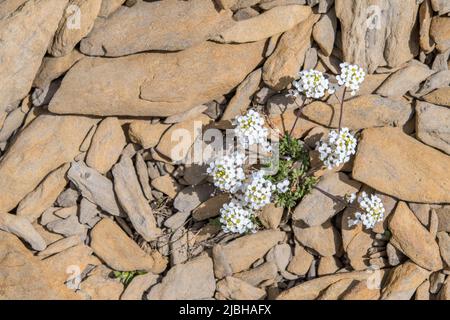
(93, 205)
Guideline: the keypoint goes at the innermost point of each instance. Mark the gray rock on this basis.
(143, 176)
(88, 213)
(67, 227)
(191, 197)
(281, 254)
(178, 247)
(68, 198)
(176, 220)
(132, 199)
(191, 280)
(94, 187)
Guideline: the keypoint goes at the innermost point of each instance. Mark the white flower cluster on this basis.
(227, 172)
(373, 211)
(235, 218)
(312, 83)
(250, 130)
(337, 148)
(351, 77)
(257, 193)
(283, 186)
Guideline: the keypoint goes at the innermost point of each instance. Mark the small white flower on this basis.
(312, 83)
(227, 172)
(237, 219)
(258, 191)
(350, 198)
(337, 148)
(283, 186)
(373, 211)
(250, 130)
(351, 77)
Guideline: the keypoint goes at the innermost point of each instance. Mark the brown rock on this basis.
(149, 83)
(191, 280)
(309, 290)
(283, 65)
(265, 25)
(425, 15)
(324, 239)
(109, 6)
(258, 275)
(433, 125)
(440, 96)
(145, 133)
(100, 286)
(301, 261)
(60, 245)
(210, 208)
(135, 290)
(388, 161)
(422, 248)
(440, 32)
(23, 276)
(360, 291)
(324, 32)
(118, 251)
(243, 96)
(25, 34)
(52, 68)
(328, 265)
(240, 254)
(176, 141)
(167, 185)
(444, 218)
(232, 288)
(22, 228)
(36, 152)
(45, 194)
(403, 281)
(106, 146)
(285, 122)
(169, 25)
(317, 207)
(383, 39)
(361, 112)
(132, 199)
(444, 246)
(76, 23)
(335, 290)
(271, 215)
(187, 115)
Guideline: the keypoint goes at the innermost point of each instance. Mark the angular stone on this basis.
(106, 146)
(440, 96)
(243, 96)
(422, 248)
(176, 141)
(22, 228)
(23, 276)
(76, 23)
(263, 26)
(301, 261)
(109, 6)
(440, 32)
(433, 125)
(286, 121)
(210, 208)
(271, 215)
(324, 32)
(259, 274)
(323, 239)
(149, 83)
(317, 207)
(377, 33)
(232, 288)
(35, 153)
(425, 15)
(187, 115)
(361, 291)
(169, 25)
(240, 254)
(444, 218)
(60, 245)
(100, 286)
(67, 227)
(132, 199)
(444, 246)
(113, 246)
(192, 280)
(403, 281)
(435, 81)
(403, 80)
(45, 194)
(145, 133)
(361, 112)
(167, 185)
(192, 196)
(393, 163)
(25, 34)
(135, 290)
(283, 65)
(142, 174)
(442, 6)
(95, 187)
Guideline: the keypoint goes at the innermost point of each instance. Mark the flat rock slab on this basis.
(411, 237)
(149, 84)
(433, 125)
(316, 207)
(361, 112)
(169, 25)
(188, 281)
(396, 164)
(25, 35)
(121, 253)
(44, 145)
